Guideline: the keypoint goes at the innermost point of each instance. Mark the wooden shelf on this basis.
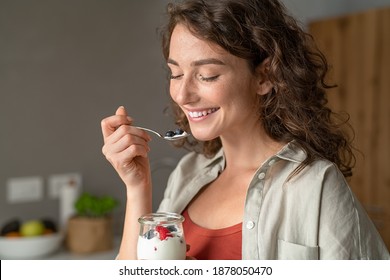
(358, 50)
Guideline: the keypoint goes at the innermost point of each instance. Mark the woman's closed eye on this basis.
(175, 77)
(200, 77)
(208, 79)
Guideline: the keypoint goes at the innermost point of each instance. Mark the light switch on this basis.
(24, 189)
(56, 181)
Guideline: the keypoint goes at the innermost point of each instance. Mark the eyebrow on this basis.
(199, 62)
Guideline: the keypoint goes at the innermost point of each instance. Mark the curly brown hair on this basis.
(296, 108)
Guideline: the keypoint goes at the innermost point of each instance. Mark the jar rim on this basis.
(165, 218)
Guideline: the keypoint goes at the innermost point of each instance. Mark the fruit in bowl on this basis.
(31, 239)
(14, 228)
(32, 228)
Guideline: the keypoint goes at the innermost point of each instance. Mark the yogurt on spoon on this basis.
(175, 135)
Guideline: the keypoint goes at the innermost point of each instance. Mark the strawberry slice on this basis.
(163, 232)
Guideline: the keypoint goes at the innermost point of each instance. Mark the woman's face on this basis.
(215, 89)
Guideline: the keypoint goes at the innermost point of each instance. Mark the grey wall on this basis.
(66, 64)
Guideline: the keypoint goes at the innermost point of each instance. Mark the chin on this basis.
(203, 134)
(204, 138)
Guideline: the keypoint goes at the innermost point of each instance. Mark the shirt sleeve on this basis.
(345, 230)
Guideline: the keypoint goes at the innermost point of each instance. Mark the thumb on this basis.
(121, 111)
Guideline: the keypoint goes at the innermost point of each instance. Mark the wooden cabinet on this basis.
(358, 51)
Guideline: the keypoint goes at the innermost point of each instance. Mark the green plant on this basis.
(93, 206)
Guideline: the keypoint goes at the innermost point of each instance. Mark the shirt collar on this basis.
(291, 152)
(218, 159)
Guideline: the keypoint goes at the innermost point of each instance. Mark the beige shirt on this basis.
(314, 215)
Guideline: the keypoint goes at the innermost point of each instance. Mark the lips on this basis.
(202, 113)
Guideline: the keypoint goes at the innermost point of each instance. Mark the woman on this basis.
(267, 172)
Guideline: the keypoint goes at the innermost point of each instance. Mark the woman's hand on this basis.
(126, 148)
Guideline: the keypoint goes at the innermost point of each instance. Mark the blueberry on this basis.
(169, 133)
(150, 234)
(171, 228)
(179, 131)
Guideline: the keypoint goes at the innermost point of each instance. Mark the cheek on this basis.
(242, 96)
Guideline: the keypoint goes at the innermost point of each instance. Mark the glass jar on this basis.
(161, 237)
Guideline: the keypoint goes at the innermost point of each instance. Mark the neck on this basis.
(248, 151)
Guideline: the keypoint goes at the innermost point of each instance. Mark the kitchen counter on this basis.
(64, 254)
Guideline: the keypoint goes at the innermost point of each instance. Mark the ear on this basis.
(264, 86)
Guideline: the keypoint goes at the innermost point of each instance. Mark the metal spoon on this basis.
(166, 137)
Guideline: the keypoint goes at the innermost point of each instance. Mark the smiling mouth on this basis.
(203, 113)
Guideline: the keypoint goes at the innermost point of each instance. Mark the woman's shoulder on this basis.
(318, 171)
(320, 182)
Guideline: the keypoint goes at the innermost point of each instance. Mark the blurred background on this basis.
(67, 64)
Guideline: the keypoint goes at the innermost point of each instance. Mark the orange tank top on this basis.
(212, 244)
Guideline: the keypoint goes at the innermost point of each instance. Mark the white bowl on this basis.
(29, 247)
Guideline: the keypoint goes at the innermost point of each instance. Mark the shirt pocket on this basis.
(292, 251)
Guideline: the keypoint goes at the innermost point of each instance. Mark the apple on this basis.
(32, 228)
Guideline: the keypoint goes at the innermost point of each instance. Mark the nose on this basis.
(183, 91)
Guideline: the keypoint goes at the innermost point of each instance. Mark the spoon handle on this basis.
(150, 130)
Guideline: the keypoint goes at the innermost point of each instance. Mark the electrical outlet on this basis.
(24, 189)
(56, 181)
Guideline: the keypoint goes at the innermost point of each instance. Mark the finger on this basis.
(130, 132)
(117, 145)
(124, 159)
(135, 151)
(110, 124)
(127, 156)
(121, 111)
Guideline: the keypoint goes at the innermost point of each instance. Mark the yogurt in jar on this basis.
(161, 237)
(172, 248)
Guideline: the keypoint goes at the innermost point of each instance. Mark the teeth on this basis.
(199, 114)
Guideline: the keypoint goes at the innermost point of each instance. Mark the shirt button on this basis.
(271, 162)
(250, 225)
(261, 175)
